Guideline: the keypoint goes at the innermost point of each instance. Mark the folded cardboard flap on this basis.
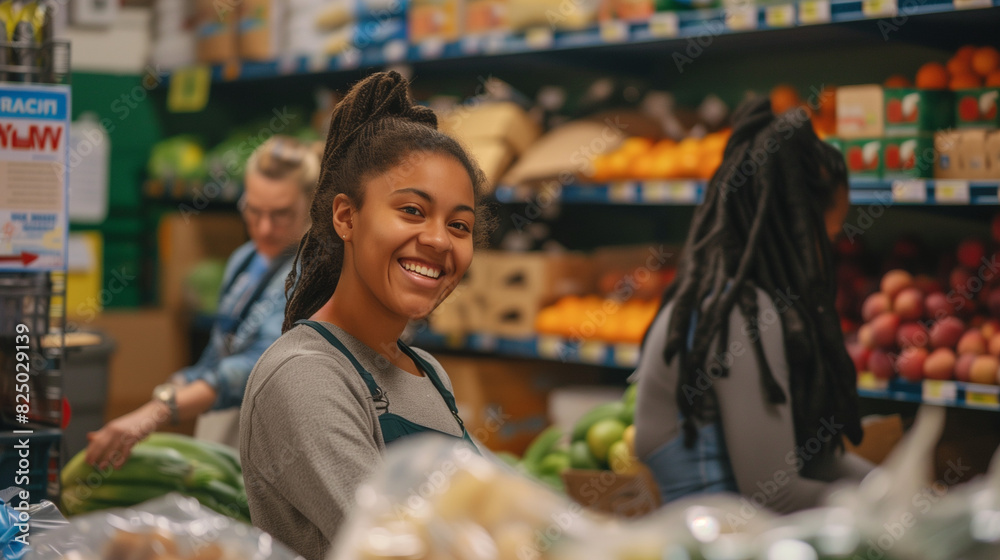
(621, 495)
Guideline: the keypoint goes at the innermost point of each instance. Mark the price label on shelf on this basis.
(972, 4)
(431, 48)
(349, 59)
(943, 392)
(879, 8)
(782, 15)
(484, 343)
(656, 192)
(622, 192)
(494, 43)
(982, 396)
(550, 347)
(318, 62)
(742, 17)
(909, 190)
(287, 64)
(626, 355)
(867, 381)
(189, 89)
(664, 24)
(539, 38)
(951, 192)
(812, 12)
(593, 352)
(614, 31)
(395, 51)
(472, 44)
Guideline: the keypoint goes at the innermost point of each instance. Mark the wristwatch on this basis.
(167, 394)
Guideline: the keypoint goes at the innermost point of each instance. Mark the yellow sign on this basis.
(189, 89)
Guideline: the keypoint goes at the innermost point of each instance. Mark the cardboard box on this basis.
(993, 152)
(504, 402)
(435, 20)
(622, 495)
(504, 121)
(864, 158)
(493, 156)
(973, 152)
(485, 16)
(860, 111)
(977, 108)
(216, 32)
(510, 313)
(948, 158)
(910, 112)
(881, 434)
(185, 240)
(150, 346)
(908, 157)
(540, 277)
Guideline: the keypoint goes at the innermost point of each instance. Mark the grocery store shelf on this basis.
(543, 347)
(194, 193)
(687, 192)
(664, 26)
(626, 356)
(947, 393)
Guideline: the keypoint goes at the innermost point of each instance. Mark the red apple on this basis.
(938, 307)
(927, 284)
(972, 342)
(946, 332)
(911, 364)
(909, 304)
(958, 280)
(859, 355)
(880, 364)
(912, 334)
(884, 329)
(875, 305)
(895, 281)
(963, 366)
(993, 345)
(940, 364)
(970, 253)
(984, 370)
(866, 336)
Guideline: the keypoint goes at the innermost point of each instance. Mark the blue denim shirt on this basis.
(227, 360)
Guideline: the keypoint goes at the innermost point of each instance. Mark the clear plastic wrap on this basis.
(34, 519)
(173, 527)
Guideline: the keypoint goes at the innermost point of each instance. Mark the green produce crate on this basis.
(977, 108)
(864, 158)
(910, 112)
(908, 157)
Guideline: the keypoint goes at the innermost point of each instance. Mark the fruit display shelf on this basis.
(689, 192)
(663, 26)
(625, 356)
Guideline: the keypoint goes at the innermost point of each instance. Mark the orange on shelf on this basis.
(783, 98)
(619, 164)
(964, 81)
(933, 75)
(965, 53)
(664, 144)
(985, 60)
(636, 145)
(959, 65)
(827, 101)
(708, 165)
(897, 81)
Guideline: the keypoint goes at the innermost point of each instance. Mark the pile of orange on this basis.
(821, 108)
(970, 67)
(644, 158)
(595, 318)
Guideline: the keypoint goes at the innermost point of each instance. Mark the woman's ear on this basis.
(343, 216)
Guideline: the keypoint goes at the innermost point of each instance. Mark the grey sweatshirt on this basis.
(309, 432)
(759, 436)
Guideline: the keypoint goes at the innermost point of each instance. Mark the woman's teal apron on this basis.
(394, 426)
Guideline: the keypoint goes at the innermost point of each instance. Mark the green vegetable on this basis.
(146, 465)
(628, 414)
(541, 447)
(554, 463)
(602, 412)
(580, 457)
(630, 394)
(215, 455)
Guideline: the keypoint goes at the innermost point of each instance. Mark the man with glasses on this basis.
(280, 180)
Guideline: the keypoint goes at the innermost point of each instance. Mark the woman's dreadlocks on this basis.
(762, 226)
(374, 129)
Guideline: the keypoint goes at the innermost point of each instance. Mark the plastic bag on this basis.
(24, 523)
(173, 527)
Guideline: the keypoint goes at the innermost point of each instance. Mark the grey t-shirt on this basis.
(309, 431)
(759, 436)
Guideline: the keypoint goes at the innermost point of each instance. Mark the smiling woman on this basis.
(394, 222)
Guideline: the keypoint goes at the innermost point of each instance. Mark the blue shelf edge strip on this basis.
(687, 25)
(681, 192)
(625, 357)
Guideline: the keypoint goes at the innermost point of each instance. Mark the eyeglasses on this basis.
(280, 218)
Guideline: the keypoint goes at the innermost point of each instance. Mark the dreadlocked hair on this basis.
(373, 130)
(762, 227)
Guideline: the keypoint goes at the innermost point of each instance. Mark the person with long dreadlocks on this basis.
(394, 221)
(744, 382)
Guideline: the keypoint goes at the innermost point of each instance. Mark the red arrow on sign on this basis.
(25, 258)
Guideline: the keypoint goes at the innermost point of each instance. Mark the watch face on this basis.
(164, 392)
